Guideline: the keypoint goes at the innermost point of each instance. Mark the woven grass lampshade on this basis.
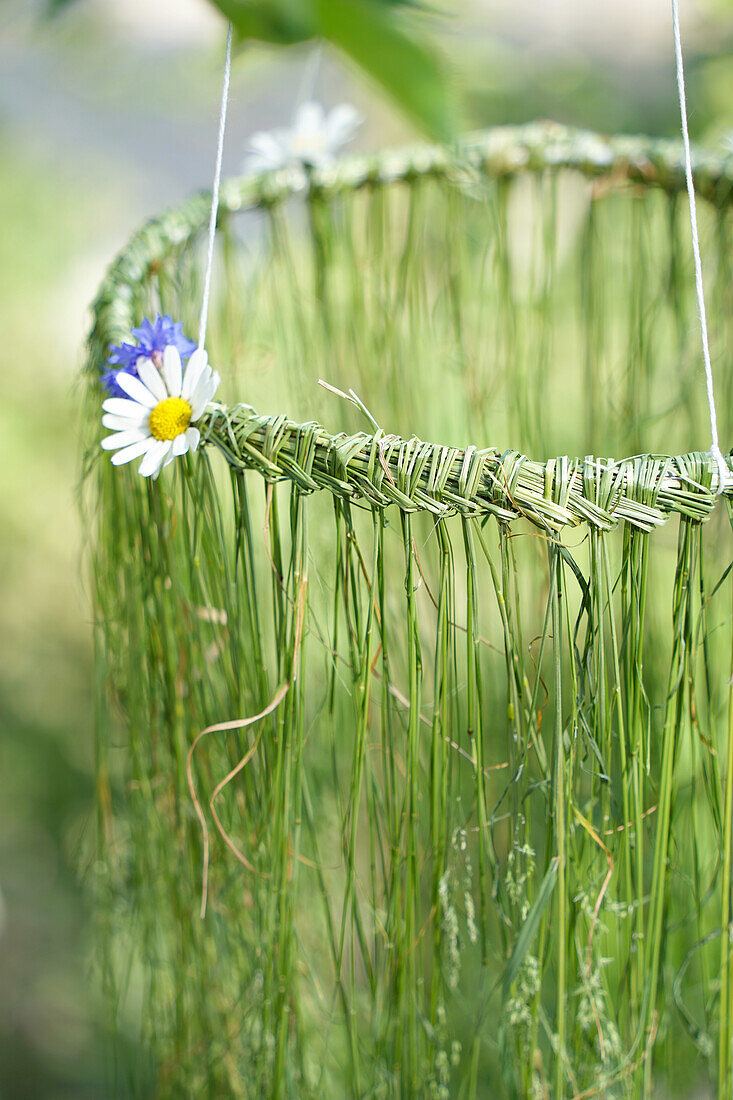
(477, 843)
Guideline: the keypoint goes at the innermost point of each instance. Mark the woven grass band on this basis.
(379, 470)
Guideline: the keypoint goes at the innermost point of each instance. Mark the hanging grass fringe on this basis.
(476, 841)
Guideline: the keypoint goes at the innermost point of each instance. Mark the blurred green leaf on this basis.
(53, 7)
(371, 33)
(373, 36)
(279, 22)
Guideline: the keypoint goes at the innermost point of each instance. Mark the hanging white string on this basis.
(215, 191)
(715, 446)
(309, 78)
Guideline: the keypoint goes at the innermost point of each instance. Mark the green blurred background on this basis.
(107, 114)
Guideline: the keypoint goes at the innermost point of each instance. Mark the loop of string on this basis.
(215, 192)
(715, 451)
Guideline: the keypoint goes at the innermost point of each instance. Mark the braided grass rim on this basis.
(379, 470)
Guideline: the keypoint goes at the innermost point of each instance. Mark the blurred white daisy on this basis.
(155, 419)
(313, 140)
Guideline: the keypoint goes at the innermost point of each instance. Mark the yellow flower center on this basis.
(169, 418)
(302, 144)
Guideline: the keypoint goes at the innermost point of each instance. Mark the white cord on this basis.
(215, 192)
(715, 451)
(309, 78)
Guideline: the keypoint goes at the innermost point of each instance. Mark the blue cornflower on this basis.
(153, 338)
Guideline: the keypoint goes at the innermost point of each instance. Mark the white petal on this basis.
(180, 444)
(134, 387)
(205, 390)
(153, 461)
(124, 439)
(267, 151)
(341, 124)
(150, 375)
(199, 397)
(309, 118)
(133, 451)
(122, 406)
(125, 423)
(194, 367)
(193, 435)
(172, 371)
(265, 143)
(166, 459)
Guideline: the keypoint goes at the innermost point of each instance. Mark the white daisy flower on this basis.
(314, 138)
(155, 420)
